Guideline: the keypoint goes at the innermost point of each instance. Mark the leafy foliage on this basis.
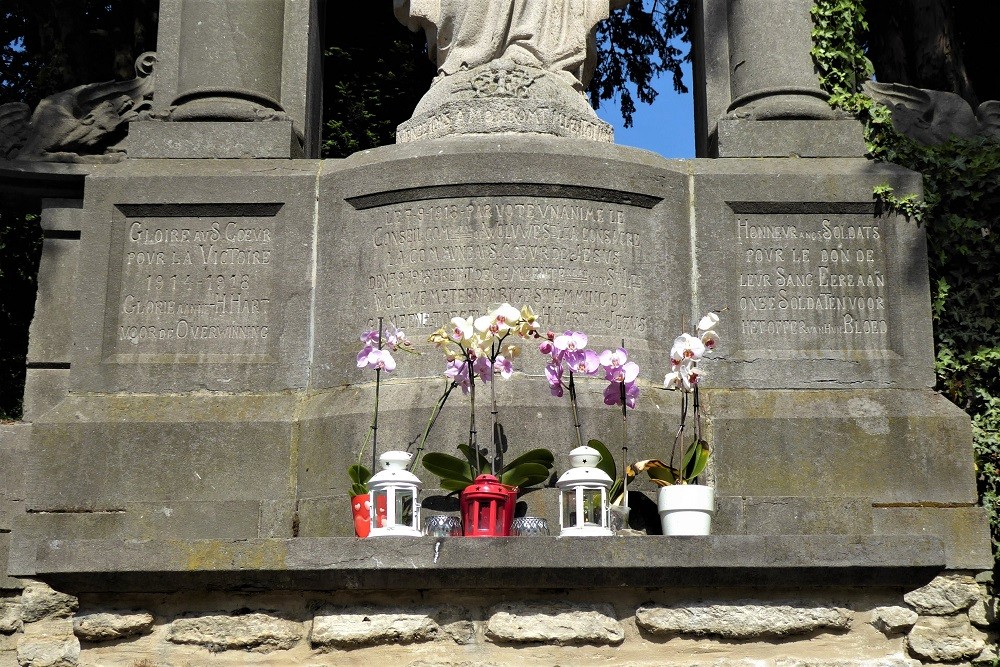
(533, 467)
(20, 244)
(638, 44)
(961, 213)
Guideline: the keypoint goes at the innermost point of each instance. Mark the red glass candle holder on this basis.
(487, 508)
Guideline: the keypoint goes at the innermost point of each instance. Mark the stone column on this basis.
(756, 88)
(229, 65)
(771, 71)
(243, 61)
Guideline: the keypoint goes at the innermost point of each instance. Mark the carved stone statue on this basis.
(507, 66)
(81, 124)
(932, 117)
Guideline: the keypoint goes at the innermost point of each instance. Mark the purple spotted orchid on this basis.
(376, 354)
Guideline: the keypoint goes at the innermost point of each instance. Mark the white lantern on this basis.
(394, 491)
(583, 495)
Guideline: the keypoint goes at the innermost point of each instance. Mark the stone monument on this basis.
(193, 396)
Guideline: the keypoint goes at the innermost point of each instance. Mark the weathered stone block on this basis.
(806, 516)
(9, 510)
(15, 442)
(790, 138)
(277, 518)
(220, 519)
(62, 215)
(7, 583)
(10, 616)
(259, 632)
(945, 638)
(947, 594)
(962, 529)
(987, 658)
(889, 661)
(561, 624)
(44, 388)
(983, 613)
(49, 644)
(744, 620)
(109, 625)
(353, 628)
(40, 602)
(219, 140)
(50, 335)
(171, 447)
(893, 620)
(778, 443)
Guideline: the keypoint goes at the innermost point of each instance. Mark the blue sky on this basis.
(665, 127)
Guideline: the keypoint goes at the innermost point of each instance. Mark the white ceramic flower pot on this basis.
(686, 509)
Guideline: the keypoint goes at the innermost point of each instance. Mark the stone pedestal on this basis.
(226, 70)
(757, 93)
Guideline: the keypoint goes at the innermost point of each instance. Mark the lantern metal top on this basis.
(394, 472)
(584, 471)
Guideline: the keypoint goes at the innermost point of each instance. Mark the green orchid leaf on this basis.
(607, 463)
(540, 456)
(525, 474)
(454, 484)
(447, 467)
(699, 461)
(359, 474)
(484, 464)
(500, 437)
(359, 489)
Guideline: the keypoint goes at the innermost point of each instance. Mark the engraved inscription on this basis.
(576, 263)
(812, 282)
(195, 286)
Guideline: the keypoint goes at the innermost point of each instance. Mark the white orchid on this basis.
(708, 322)
(500, 320)
(686, 347)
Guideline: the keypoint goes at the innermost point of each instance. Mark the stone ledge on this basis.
(813, 561)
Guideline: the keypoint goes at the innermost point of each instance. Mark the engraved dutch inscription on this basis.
(198, 287)
(574, 262)
(812, 282)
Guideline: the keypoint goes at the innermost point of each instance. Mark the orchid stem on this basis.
(497, 454)
(473, 445)
(576, 415)
(430, 424)
(378, 386)
(624, 443)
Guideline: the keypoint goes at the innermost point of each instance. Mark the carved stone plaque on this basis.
(195, 284)
(811, 282)
(574, 262)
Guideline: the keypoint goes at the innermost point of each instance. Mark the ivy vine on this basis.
(960, 210)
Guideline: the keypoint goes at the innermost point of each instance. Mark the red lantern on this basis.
(488, 508)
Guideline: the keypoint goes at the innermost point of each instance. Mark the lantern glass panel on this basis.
(592, 507)
(404, 507)
(569, 508)
(379, 505)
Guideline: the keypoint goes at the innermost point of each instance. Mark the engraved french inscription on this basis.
(195, 287)
(812, 282)
(578, 263)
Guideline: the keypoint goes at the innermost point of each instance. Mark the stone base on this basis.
(223, 140)
(470, 625)
(504, 98)
(741, 137)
